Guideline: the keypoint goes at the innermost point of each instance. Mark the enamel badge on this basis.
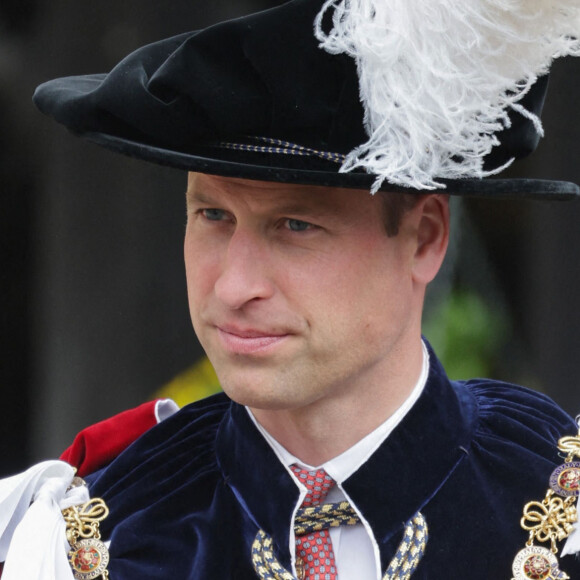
(537, 563)
(88, 559)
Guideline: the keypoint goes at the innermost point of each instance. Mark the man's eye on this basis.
(213, 215)
(298, 225)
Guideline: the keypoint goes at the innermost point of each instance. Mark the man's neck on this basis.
(327, 428)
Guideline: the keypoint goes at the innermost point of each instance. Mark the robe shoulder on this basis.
(516, 416)
(182, 445)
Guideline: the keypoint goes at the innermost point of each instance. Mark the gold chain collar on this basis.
(88, 555)
(551, 520)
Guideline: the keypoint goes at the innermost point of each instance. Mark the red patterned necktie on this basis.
(314, 554)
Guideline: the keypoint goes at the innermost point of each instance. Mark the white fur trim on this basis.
(438, 77)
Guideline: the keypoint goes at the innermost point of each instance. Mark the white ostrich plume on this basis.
(438, 77)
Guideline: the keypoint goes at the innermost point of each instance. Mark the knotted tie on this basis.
(314, 554)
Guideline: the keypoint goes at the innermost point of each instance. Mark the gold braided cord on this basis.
(407, 557)
(410, 550)
(329, 515)
(265, 562)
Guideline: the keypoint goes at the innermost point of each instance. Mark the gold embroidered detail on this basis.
(551, 520)
(88, 556)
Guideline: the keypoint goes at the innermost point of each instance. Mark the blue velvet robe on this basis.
(189, 496)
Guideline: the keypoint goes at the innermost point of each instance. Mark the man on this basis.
(306, 292)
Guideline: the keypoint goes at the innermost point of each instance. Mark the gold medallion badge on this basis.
(88, 555)
(536, 563)
(89, 559)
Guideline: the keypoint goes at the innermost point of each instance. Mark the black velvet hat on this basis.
(260, 98)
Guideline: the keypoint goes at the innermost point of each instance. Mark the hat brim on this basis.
(496, 188)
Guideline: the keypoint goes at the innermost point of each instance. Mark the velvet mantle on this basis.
(189, 496)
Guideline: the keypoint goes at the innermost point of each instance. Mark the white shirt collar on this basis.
(344, 465)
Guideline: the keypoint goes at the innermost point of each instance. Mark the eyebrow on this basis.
(198, 197)
(302, 209)
(292, 208)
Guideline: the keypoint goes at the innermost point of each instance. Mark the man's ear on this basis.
(432, 236)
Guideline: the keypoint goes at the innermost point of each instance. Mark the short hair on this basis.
(394, 206)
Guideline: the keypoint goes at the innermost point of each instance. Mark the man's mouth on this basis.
(248, 340)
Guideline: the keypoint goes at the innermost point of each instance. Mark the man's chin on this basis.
(264, 385)
(257, 400)
(262, 396)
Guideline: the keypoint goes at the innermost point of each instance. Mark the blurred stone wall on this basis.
(552, 256)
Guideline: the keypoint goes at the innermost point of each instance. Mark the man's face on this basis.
(296, 292)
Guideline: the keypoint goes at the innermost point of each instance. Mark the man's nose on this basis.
(246, 273)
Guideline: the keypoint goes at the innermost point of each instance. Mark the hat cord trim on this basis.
(279, 146)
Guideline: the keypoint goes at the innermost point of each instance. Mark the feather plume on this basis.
(572, 545)
(438, 77)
